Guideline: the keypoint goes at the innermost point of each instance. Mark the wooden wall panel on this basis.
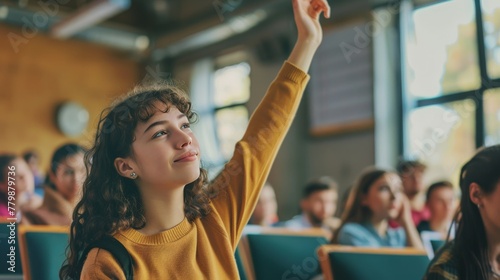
(45, 72)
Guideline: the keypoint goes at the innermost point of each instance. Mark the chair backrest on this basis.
(43, 250)
(239, 262)
(432, 242)
(437, 244)
(285, 254)
(10, 260)
(357, 263)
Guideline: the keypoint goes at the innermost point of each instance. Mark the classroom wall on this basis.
(45, 72)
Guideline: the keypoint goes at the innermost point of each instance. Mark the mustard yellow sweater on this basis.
(205, 248)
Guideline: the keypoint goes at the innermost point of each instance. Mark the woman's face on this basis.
(165, 151)
(265, 212)
(69, 176)
(384, 196)
(441, 204)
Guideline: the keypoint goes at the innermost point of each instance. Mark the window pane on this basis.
(231, 125)
(491, 23)
(442, 136)
(442, 58)
(492, 116)
(232, 85)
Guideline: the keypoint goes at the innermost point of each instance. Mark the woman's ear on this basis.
(124, 167)
(475, 194)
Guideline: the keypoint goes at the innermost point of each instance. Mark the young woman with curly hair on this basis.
(147, 190)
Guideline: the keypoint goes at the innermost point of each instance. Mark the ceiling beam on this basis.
(216, 29)
(89, 15)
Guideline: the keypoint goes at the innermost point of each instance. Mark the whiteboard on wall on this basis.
(341, 88)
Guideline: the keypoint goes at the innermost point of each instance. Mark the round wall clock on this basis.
(72, 118)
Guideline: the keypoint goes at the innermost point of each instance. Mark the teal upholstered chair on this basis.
(286, 254)
(356, 263)
(43, 250)
(437, 244)
(239, 262)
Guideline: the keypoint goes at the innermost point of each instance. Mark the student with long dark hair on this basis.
(376, 198)
(146, 188)
(63, 187)
(475, 252)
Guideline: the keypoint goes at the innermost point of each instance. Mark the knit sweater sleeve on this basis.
(100, 264)
(242, 178)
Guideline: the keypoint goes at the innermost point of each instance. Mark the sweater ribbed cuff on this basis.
(291, 72)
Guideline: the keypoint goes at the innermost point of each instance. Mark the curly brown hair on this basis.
(110, 202)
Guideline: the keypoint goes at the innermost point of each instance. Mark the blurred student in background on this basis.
(475, 251)
(63, 189)
(32, 158)
(440, 200)
(15, 170)
(266, 210)
(377, 197)
(318, 205)
(412, 173)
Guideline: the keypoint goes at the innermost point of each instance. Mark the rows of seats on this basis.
(286, 254)
(39, 251)
(261, 255)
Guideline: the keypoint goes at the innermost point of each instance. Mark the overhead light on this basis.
(234, 26)
(4, 12)
(87, 16)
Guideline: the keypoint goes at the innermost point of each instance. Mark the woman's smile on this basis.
(189, 156)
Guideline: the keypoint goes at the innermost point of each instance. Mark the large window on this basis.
(492, 116)
(451, 86)
(232, 92)
(220, 90)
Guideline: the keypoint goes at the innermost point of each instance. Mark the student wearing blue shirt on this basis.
(375, 198)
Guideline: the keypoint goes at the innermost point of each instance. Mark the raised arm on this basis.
(242, 178)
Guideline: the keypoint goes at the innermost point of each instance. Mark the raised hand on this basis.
(405, 220)
(404, 215)
(306, 14)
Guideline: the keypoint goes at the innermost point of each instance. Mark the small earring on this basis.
(133, 175)
(479, 206)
